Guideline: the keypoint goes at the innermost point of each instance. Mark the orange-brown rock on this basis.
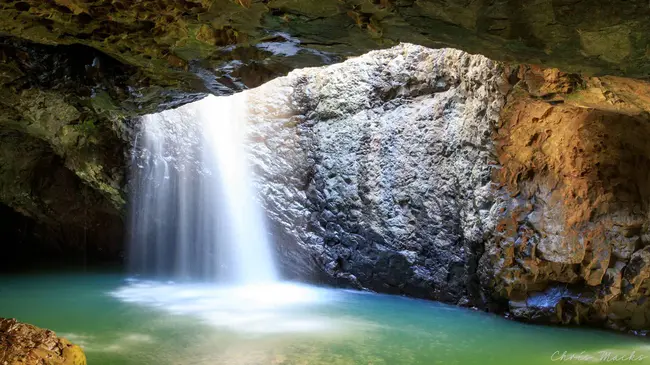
(24, 344)
(575, 178)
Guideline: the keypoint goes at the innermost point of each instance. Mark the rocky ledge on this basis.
(24, 344)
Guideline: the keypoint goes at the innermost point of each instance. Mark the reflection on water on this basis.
(141, 322)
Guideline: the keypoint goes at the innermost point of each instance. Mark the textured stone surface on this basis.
(379, 168)
(409, 171)
(64, 111)
(571, 242)
(24, 344)
(62, 153)
(72, 71)
(234, 43)
(74, 220)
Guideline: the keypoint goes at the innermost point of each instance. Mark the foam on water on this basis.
(165, 323)
(270, 308)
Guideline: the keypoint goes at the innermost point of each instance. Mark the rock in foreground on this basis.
(24, 344)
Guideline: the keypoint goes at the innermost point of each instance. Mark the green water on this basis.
(119, 321)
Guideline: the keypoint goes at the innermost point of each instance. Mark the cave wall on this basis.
(74, 72)
(67, 114)
(48, 212)
(62, 159)
(571, 246)
(227, 45)
(437, 174)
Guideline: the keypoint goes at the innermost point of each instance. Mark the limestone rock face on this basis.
(73, 72)
(571, 242)
(438, 174)
(24, 344)
(379, 168)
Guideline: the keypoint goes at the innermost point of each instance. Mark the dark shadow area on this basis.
(29, 246)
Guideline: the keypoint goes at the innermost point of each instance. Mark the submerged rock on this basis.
(24, 344)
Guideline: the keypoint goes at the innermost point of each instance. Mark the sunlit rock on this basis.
(377, 170)
(24, 344)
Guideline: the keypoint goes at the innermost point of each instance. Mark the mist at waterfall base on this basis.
(198, 241)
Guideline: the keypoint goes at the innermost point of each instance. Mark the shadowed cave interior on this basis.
(273, 182)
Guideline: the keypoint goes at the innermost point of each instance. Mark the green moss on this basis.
(104, 104)
(290, 124)
(611, 44)
(69, 136)
(200, 45)
(73, 355)
(93, 173)
(87, 127)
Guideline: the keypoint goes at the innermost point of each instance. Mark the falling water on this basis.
(194, 212)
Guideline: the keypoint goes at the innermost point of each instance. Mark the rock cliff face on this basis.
(438, 174)
(571, 244)
(62, 166)
(380, 167)
(24, 344)
(73, 72)
(430, 173)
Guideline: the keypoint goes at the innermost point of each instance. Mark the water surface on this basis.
(122, 321)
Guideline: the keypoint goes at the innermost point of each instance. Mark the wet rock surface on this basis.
(66, 115)
(74, 72)
(231, 44)
(24, 344)
(379, 168)
(437, 174)
(571, 242)
(62, 153)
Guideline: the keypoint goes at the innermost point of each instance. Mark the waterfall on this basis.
(194, 212)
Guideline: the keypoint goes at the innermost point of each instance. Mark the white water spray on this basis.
(194, 211)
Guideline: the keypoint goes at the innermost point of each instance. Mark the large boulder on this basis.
(24, 344)
(379, 169)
